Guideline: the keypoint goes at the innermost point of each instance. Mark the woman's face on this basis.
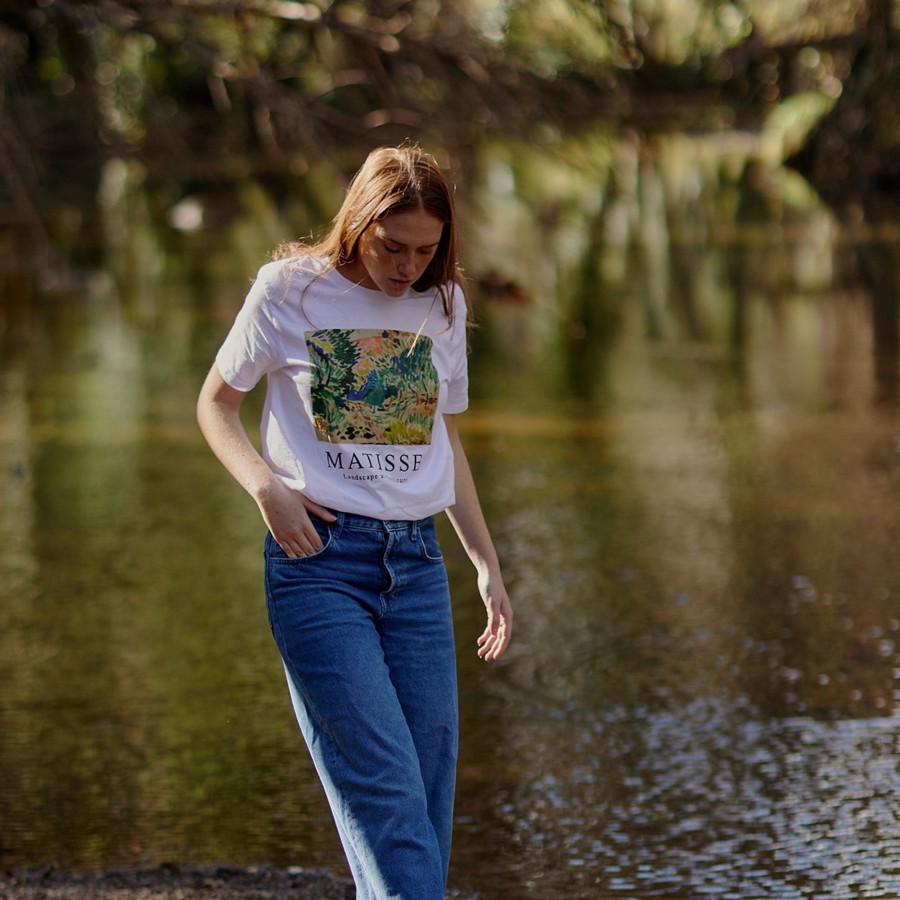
(394, 251)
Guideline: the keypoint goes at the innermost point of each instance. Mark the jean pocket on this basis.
(275, 553)
(428, 544)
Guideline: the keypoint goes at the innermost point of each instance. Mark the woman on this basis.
(362, 337)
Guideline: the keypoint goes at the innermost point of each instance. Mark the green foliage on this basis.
(558, 37)
(213, 88)
(335, 356)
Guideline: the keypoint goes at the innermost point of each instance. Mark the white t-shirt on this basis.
(358, 383)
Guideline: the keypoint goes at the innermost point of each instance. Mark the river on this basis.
(687, 445)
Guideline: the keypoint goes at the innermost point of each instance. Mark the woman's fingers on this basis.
(287, 515)
(495, 638)
(301, 540)
(326, 515)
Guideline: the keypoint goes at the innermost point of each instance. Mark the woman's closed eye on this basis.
(420, 251)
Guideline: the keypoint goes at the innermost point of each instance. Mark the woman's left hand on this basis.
(496, 636)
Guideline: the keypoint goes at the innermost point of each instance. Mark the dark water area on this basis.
(689, 454)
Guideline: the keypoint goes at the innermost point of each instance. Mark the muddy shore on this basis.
(174, 883)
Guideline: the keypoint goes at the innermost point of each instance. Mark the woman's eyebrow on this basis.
(401, 244)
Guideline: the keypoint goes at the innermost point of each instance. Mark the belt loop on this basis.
(338, 524)
(414, 531)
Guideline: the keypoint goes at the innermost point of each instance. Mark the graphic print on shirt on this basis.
(372, 386)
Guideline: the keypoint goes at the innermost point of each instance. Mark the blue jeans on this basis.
(365, 633)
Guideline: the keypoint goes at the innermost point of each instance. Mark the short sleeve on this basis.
(458, 387)
(251, 348)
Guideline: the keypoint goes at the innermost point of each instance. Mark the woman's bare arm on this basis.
(285, 512)
(469, 523)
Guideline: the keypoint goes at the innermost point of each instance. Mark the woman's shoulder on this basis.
(289, 268)
(451, 289)
(279, 279)
(448, 311)
(459, 303)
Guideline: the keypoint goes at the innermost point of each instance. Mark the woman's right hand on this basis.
(287, 515)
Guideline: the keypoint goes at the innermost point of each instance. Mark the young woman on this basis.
(362, 338)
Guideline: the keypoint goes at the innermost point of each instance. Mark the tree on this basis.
(205, 90)
(852, 156)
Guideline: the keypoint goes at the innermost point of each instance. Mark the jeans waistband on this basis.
(368, 523)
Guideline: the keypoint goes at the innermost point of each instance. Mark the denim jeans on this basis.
(365, 633)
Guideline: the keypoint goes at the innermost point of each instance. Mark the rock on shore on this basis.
(176, 883)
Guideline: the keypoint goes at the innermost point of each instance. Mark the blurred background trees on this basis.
(208, 91)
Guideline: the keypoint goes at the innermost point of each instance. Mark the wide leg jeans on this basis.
(365, 633)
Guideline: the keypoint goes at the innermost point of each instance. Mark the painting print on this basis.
(372, 386)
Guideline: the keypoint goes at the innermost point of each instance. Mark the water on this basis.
(702, 701)
(695, 505)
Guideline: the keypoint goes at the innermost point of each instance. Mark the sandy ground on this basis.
(216, 883)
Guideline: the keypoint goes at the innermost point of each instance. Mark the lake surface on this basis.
(690, 462)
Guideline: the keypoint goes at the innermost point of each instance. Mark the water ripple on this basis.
(719, 804)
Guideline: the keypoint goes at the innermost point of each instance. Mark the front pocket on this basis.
(428, 544)
(274, 553)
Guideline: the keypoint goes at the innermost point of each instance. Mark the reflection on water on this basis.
(702, 698)
(691, 483)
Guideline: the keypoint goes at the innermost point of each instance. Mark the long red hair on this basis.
(393, 179)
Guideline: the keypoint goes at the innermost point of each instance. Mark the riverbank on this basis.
(175, 883)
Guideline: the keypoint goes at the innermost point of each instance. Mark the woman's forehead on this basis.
(410, 227)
